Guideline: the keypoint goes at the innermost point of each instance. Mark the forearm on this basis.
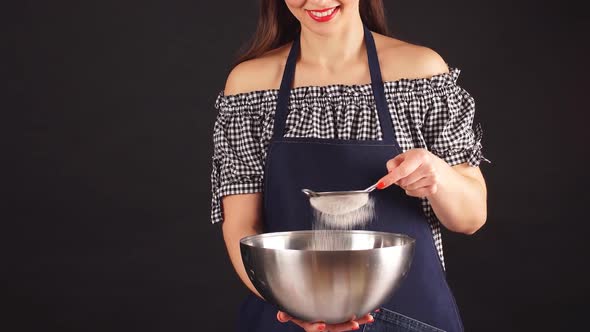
(232, 236)
(460, 201)
(242, 217)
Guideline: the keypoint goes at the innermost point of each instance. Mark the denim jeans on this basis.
(390, 321)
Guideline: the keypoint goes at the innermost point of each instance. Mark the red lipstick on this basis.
(323, 18)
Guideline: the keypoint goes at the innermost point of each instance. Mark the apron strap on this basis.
(283, 99)
(282, 109)
(378, 89)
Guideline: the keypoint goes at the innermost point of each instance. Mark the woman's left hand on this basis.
(417, 171)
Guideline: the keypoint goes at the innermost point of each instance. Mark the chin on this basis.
(325, 31)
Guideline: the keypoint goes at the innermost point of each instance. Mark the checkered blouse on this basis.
(433, 113)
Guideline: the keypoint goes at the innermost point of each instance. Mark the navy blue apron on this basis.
(424, 301)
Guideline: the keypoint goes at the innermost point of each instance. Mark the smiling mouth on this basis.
(323, 15)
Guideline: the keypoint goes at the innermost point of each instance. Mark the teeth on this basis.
(322, 14)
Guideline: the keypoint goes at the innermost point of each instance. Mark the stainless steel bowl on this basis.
(331, 276)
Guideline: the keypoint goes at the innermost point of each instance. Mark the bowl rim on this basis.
(410, 240)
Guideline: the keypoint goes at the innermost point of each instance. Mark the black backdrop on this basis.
(108, 218)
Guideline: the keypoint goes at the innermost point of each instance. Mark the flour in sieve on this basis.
(339, 204)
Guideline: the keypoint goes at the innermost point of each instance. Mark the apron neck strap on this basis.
(376, 83)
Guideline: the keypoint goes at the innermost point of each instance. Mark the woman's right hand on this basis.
(319, 326)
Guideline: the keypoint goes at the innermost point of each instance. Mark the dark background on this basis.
(107, 223)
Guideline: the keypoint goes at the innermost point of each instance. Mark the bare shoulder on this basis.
(261, 73)
(401, 59)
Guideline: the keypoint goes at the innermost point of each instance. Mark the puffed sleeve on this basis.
(237, 162)
(449, 131)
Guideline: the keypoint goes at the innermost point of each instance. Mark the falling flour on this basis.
(339, 213)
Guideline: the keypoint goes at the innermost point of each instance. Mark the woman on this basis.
(323, 82)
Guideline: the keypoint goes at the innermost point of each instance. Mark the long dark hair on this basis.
(277, 26)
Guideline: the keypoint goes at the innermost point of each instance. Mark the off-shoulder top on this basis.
(434, 113)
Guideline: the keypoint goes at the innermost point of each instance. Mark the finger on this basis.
(283, 317)
(424, 170)
(368, 318)
(423, 192)
(392, 178)
(347, 326)
(316, 327)
(423, 182)
(411, 179)
(393, 163)
(407, 167)
(390, 165)
(307, 326)
(310, 327)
